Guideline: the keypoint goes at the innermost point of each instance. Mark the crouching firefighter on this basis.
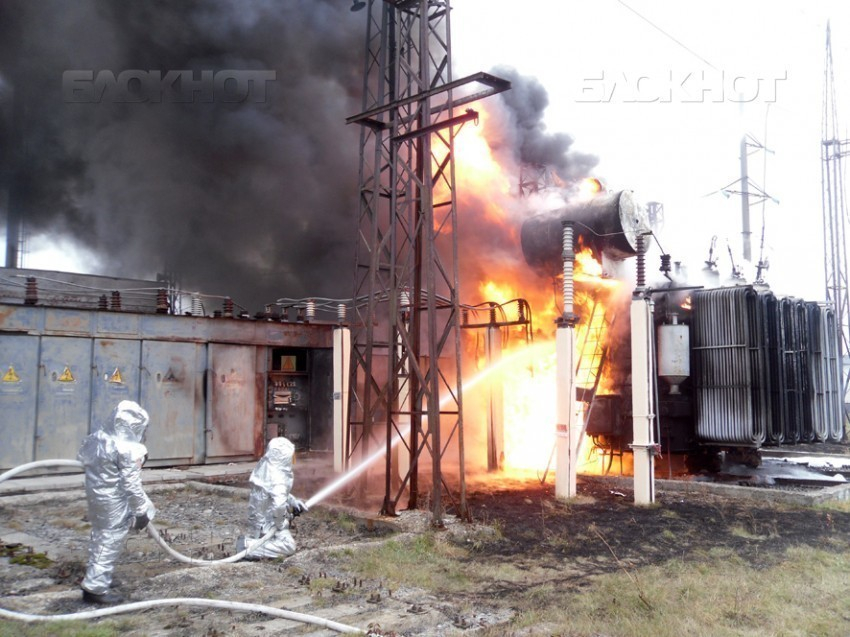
(271, 504)
(112, 457)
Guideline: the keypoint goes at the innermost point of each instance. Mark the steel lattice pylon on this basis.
(833, 150)
(405, 337)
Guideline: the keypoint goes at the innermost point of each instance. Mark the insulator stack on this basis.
(228, 307)
(310, 310)
(115, 301)
(641, 263)
(569, 263)
(197, 305)
(665, 263)
(341, 312)
(161, 301)
(103, 302)
(31, 294)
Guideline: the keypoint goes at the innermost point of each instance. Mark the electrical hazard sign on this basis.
(115, 377)
(66, 376)
(288, 363)
(11, 376)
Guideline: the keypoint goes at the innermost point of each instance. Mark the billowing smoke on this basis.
(253, 199)
(524, 133)
(490, 219)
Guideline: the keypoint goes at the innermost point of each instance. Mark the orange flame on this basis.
(491, 264)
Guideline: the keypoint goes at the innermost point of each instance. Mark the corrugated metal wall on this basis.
(765, 370)
(202, 380)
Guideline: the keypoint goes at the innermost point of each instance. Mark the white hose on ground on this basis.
(191, 560)
(176, 601)
(187, 601)
(11, 473)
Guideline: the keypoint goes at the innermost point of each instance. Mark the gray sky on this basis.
(677, 149)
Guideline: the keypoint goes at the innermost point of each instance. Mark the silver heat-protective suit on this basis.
(271, 504)
(113, 458)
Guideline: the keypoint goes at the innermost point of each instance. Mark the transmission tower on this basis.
(833, 150)
(405, 380)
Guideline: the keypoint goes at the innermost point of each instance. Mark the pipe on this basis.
(187, 601)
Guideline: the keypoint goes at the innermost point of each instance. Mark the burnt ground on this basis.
(604, 522)
(557, 543)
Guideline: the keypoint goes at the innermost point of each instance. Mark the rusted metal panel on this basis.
(172, 392)
(295, 334)
(18, 390)
(115, 376)
(234, 404)
(64, 396)
(172, 328)
(21, 318)
(116, 323)
(75, 322)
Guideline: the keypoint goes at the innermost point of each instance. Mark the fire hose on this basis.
(177, 601)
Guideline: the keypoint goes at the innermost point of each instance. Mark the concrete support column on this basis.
(342, 380)
(567, 429)
(495, 402)
(643, 416)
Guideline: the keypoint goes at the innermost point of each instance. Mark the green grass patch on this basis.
(426, 561)
(60, 629)
(804, 595)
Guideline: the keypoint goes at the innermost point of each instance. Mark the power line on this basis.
(658, 28)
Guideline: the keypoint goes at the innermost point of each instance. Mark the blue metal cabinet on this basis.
(18, 390)
(115, 376)
(235, 402)
(64, 396)
(172, 393)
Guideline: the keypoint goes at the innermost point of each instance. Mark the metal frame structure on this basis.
(833, 150)
(405, 372)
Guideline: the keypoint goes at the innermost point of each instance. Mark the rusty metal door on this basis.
(64, 396)
(235, 401)
(115, 376)
(18, 390)
(172, 393)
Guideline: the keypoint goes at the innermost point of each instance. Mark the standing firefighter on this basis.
(113, 457)
(271, 505)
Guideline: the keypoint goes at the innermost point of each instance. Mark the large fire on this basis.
(521, 376)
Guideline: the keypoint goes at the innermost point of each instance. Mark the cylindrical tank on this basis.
(674, 364)
(608, 224)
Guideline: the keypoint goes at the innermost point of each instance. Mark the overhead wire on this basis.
(667, 35)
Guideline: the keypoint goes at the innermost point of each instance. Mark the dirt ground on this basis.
(555, 542)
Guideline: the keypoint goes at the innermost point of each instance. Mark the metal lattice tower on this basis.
(405, 380)
(833, 150)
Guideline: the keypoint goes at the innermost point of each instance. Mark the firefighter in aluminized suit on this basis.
(271, 503)
(112, 458)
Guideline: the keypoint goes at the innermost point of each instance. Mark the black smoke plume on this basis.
(255, 200)
(524, 136)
